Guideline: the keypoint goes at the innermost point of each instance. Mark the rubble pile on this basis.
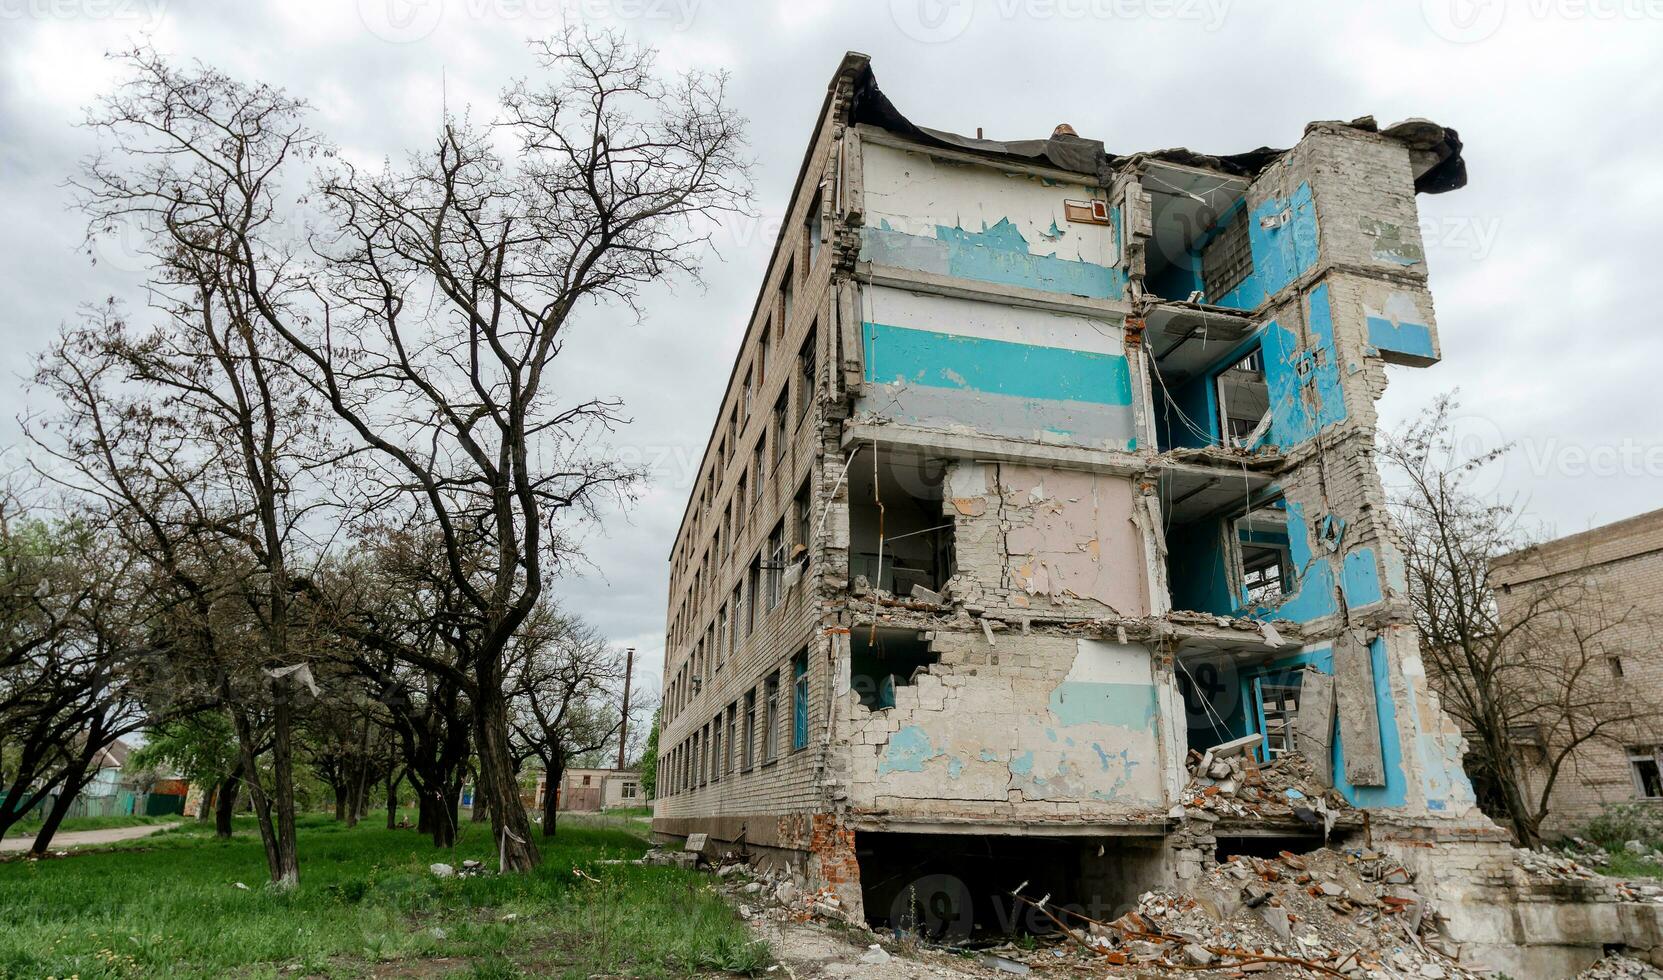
(1563, 866)
(1328, 913)
(1621, 968)
(1234, 785)
(1556, 867)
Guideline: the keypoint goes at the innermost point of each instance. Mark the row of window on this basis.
(779, 319)
(760, 591)
(727, 744)
(754, 476)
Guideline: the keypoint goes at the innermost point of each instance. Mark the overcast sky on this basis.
(1534, 265)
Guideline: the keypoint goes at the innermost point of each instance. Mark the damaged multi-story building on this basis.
(1041, 466)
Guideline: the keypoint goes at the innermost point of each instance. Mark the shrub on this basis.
(1623, 822)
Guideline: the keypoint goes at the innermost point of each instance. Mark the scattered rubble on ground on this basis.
(1620, 968)
(469, 869)
(1329, 913)
(1351, 913)
(1580, 861)
(1557, 867)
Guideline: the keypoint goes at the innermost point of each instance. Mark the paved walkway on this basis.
(21, 841)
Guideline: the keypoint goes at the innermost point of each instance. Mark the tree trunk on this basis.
(444, 819)
(71, 788)
(340, 803)
(510, 828)
(225, 804)
(551, 800)
(256, 792)
(282, 770)
(393, 779)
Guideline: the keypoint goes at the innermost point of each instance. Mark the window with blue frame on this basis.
(799, 701)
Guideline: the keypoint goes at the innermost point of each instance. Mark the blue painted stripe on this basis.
(907, 355)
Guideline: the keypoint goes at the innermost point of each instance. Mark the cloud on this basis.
(1547, 328)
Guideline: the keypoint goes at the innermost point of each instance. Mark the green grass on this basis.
(73, 824)
(1621, 864)
(167, 905)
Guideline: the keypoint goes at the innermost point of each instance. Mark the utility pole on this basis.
(623, 722)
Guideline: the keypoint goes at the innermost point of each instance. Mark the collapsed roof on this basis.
(1435, 151)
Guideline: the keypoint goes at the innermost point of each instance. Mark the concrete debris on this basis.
(442, 870)
(680, 859)
(1564, 867)
(1350, 913)
(1544, 864)
(1620, 968)
(874, 955)
(1236, 786)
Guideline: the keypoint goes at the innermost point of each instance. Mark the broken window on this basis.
(806, 372)
(1648, 775)
(748, 758)
(753, 592)
(804, 507)
(1226, 260)
(1277, 701)
(721, 636)
(1243, 401)
(732, 756)
(882, 660)
(1264, 570)
(781, 412)
(898, 535)
(787, 290)
(735, 600)
(716, 748)
(771, 716)
(799, 700)
(775, 563)
(811, 229)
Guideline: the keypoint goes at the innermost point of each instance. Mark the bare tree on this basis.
(565, 696)
(198, 444)
(70, 682)
(395, 607)
(444, 292)
(1525, 677)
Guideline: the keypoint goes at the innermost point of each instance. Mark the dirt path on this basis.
(811, 951)
(83, 838)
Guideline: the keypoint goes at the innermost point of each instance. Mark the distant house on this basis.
(1622, 564)
(107, 766)
(594, 789)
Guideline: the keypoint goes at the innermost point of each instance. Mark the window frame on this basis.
(799, 701)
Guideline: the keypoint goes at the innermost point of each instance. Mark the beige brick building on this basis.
(1619, 566)
(1038, 467)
